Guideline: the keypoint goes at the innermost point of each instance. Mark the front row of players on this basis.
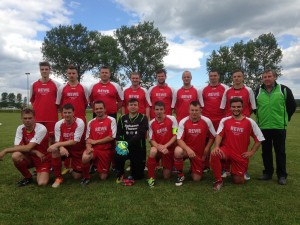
(171, 143)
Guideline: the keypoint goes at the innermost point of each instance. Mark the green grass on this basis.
(256, 202)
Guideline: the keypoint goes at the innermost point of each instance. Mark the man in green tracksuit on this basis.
(275, 107)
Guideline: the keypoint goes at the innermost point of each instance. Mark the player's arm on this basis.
(123, 110)
(18, 148)
(250, 153)
(207, 147)
(148, 112)
(186, 148)
(100, 141)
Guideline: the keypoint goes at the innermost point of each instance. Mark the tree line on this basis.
(10, 99)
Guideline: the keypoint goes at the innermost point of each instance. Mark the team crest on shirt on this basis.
(101, 130)
(194, 132)
(162, 131)
(43, 91)
(237, 130)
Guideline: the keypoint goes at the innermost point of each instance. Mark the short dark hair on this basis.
(160, 104)
(72, 67)
(195, 103)
(135, 73)
(132, 100)
(272, 71)
(27, 111)
(99, 102)
(105, 67)
(68, 106)
(44, 63)
(161, 71)
(213, 71)
(237, 70)
(236, 99)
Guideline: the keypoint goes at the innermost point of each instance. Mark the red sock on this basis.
(56, 165)
(151, 164)
(67, 162)
(206, 162)
(178, 163)
(22, 167)
(216, 166)
(226, 165)
(86, 171)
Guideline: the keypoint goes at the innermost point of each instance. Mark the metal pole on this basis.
(27, 74)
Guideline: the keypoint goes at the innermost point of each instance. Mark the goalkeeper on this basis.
(131, 133)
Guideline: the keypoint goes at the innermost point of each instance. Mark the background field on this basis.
(256, 202)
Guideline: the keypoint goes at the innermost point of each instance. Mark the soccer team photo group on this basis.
(140, 135)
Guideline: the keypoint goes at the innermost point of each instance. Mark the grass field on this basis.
(256, 202)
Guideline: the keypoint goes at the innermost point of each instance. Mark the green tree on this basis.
(4, 97)
(19, 98)
(11, 98)
(142, 49)
(64, 45)
(252, 57)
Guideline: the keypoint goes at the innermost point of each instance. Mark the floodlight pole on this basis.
(27, 74)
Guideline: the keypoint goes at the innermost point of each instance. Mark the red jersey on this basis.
(140, 94)
(98, 129)
(161, 93)
(210, 100)
(244, 93)
(182, 99)
(194, 134)
(76, 95)
(43, 100)
(162, 132)
(74, 131)
(236, 134)
(38, 135)
(109, 93)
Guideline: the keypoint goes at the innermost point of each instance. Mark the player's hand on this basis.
(2, 154)
(91, 142)
(89, 151)
(40, 155)
(63, 151)
(247, 154)
(191, 154)
(205, 153)
(52, 148)
(218, 151)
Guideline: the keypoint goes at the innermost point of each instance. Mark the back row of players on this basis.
(194, 139)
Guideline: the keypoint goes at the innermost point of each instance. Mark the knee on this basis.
(153, 152)
(238, 179)
(178, 152)
(76, 176)
(17, 156)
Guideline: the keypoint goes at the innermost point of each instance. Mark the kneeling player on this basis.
(191, 138)
(69, 143)
(100, 142)
(232, 141)
(162, 136)
(30, 150)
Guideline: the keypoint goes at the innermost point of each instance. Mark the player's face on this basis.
(236, 108)
(28, 120)
(159, 111)
(195, 112)
(68, 115)
(161, 78)
(186, 78)
(104, 74)
(213, 78)
(99, 110)
(269, 79)
(238, 78)
(133, 107)
(45, 71)
(135, 80)
(72, 74)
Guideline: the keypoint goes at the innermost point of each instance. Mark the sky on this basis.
(193, 28)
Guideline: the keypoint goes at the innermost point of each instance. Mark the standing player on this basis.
(74, 93)
(232, 141)
(108, 92)
(239, 90)
(184, 96)
(100, 142)
(132, 128)
(43, 99)
(138, 92)
(191, 140)
(161, 92)
(30, 150)
(210, 98)
(69, 143)
(162, 136)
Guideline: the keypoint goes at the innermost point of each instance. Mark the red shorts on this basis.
(76, 160)
(103, 159)
(197, 164)
(167, 160)
(50, 127)
(239, 165)
(34, 161)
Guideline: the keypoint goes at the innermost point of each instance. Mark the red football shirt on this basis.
(98, 129)
(39, 136)
(109, 93)
(161, 93)
(162, 132)
(76, 95)
(182, 99)
(236, 134)
(65, 132)
(244, 93)
(140, 94)
(43, 100)
(210, 99)
(194, 134)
